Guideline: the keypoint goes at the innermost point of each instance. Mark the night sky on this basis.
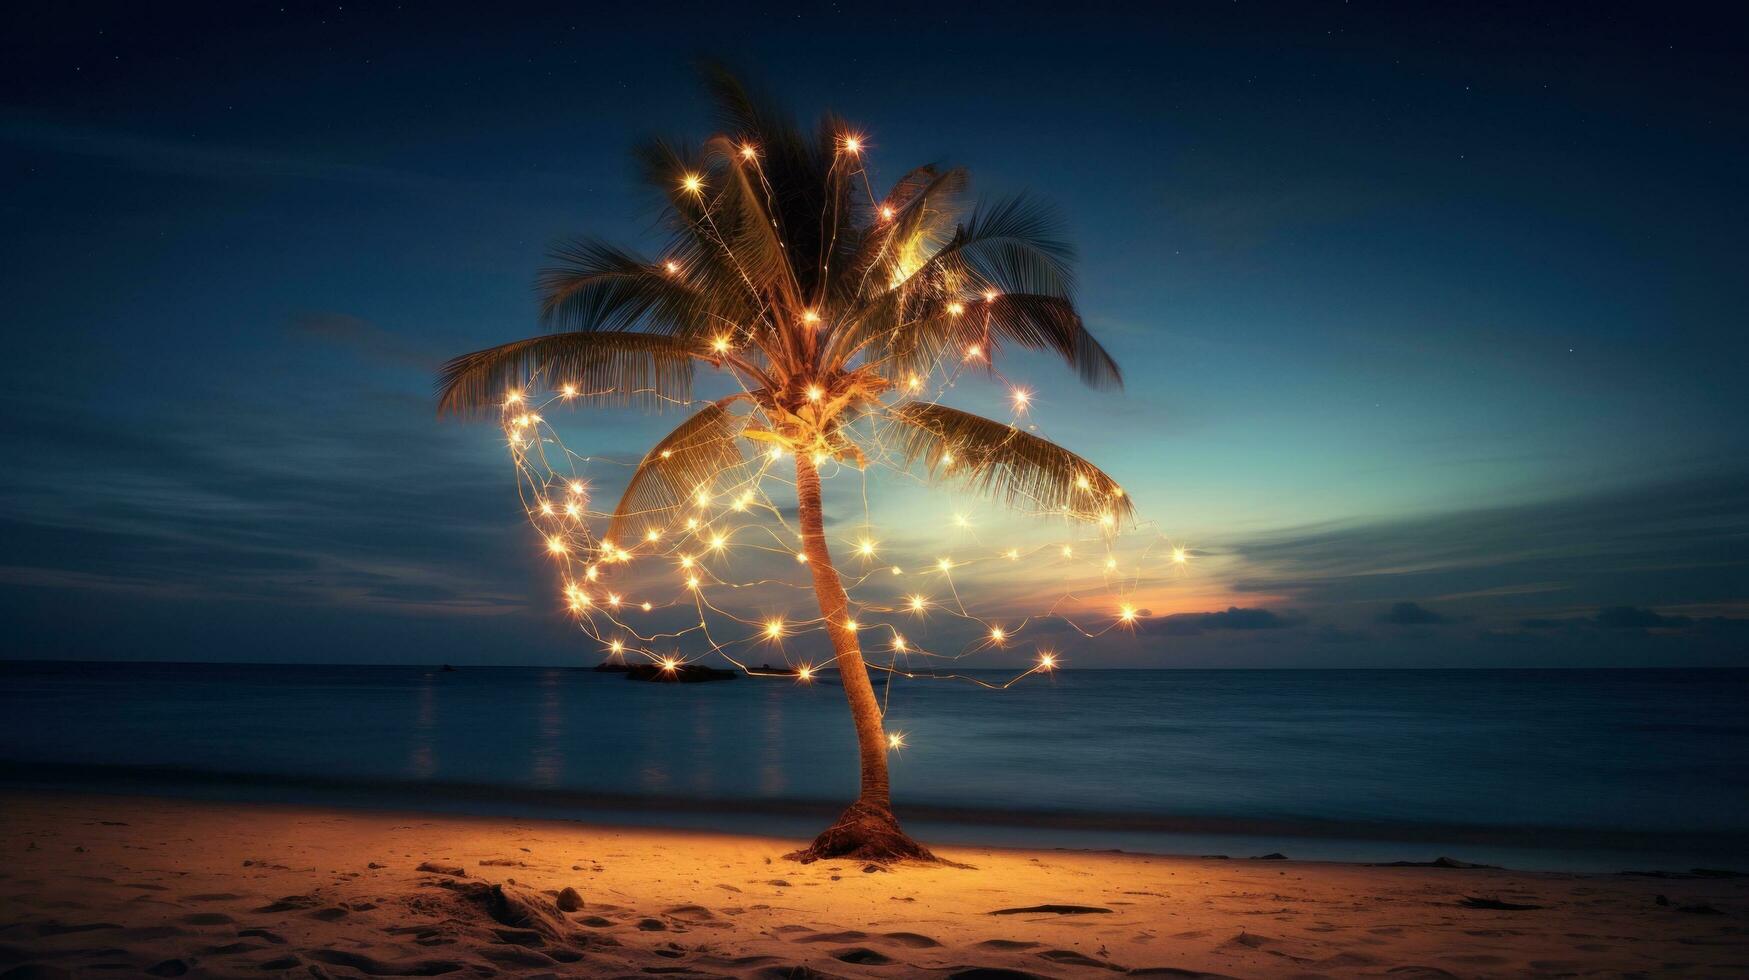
(1433, 324)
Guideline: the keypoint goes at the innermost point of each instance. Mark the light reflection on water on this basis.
(1654, 750)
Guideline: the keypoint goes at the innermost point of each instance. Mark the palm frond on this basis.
(596, 286)
(1011, 244)
(1051, 323)
(674, 471)
(1002, 462)
(746, 227)
(606, 366)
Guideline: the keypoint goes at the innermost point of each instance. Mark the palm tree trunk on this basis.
(868, 829)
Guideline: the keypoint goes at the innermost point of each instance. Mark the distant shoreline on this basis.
(739, 815)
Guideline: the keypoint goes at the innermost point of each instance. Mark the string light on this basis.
(558, 505)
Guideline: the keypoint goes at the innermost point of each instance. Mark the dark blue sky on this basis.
(1433, 322)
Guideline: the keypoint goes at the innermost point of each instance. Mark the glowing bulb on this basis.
(955, 309)
(774, 628)
(577, 487)
(748, 152)
(556, 545)
(852, 144)
(1107, 519)
(1047, 661)
(896, 740)
(810, 317)
(947, 458)
(850, 624)
(703, 499)
(617, 646)
(887, 212)
(569, 391)
(592, 573)
(918, 603)
(801, 558)
(670, 665)
(1013, 554)
(1127, 613)
(865, 548)
(692, 581)
(1068, 552)
(693, 183)
(990, 296)
(820, 459)
(1111, 564)
(1083, 483)
(997, 634)
(546, 507)
(672, 266)
(1180, 556)
(974, 352)
(776, 453)
(897, 570)
(513, 397)
(652, 535)
(686, 561)
(815, 393)
(718, 542)
(572, 510)
(1022, 398)
(613, 600)
(804, 673)
(944, 564)
(899, 643)
(914, 382)
(720, 345)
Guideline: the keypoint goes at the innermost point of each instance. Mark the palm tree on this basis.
(830, 306)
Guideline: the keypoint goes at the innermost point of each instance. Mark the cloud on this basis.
(1675, 543)
(1234, 618)
(1630, 618)
(366, 339)
(1411, 614)
(187, 158)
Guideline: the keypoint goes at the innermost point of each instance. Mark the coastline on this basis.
(95, 884)
(1542, 848)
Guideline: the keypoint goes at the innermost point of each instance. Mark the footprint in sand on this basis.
(379, 968)
(1069, 957)
(861, 956)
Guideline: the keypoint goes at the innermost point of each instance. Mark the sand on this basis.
(117, 887)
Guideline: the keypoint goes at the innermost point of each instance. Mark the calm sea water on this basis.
(1564, 768)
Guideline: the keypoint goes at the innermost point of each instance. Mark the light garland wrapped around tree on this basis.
(842, 316)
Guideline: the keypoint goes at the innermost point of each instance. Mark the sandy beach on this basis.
(119, 886)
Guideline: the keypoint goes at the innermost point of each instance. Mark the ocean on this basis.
(1557, 769)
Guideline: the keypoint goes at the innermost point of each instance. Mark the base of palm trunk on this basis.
(864, 832)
